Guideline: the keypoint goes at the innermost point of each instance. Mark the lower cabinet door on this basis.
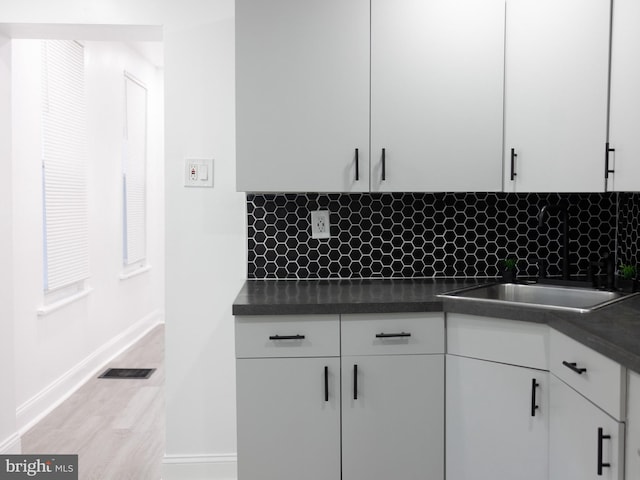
(584, 442)
(288, 418)
(392, 417)
(497, 420)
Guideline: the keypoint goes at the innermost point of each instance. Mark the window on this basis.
(64, 167)
(134, 174)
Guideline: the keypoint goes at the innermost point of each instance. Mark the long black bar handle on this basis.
(326, 384)
(286, 337)
(573, 366)
(384, 164)
(357, 166)
(607, 151)
(601, 465)
(514, 155)
(355, 382)
(534, 407)
(392, 335)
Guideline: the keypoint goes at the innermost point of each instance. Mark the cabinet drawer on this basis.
(392, 334)
(287, 336)
(524, 344)
(595, 376)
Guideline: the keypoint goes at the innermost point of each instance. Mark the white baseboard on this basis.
(41, 404)
(12, 445)
(200, 467)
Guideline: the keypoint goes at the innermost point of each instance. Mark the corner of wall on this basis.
(9, 438)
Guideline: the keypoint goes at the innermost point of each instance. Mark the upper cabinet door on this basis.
(436, 95)
(556, 63)
(302, 95)
(624, 127)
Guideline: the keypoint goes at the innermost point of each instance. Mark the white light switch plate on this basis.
(320, 224)
(198, 172)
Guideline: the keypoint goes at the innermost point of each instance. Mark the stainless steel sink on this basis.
(540, 296)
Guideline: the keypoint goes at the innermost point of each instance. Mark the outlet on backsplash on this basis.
(320, 224)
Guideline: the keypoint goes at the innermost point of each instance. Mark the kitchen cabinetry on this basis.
(625, 97)
(437, 71)
(295, 420)
(497, 415)
(392, 397)
(302, 95)
(632, 457)
(586, 437)
(556, 88)
(288, 397)
(305, 72)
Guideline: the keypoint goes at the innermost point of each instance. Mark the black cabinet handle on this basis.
(601, 465)
(534, 407)
(286, 337)
(392, 335)
(607, 170)
(355, 382)
(326, 384)
(384, 164)
(572, 366)
(357, 166)
(513, 164)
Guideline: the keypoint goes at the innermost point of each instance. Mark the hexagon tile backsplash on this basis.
(414, 235)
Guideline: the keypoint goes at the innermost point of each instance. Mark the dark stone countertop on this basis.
(303, 297)
(613, 331)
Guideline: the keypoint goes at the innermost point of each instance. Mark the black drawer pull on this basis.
(355, 382)
(392, 335)
(601, 465)
(286, 337)
(326, 384)
(534, 407)
(384, 164)
(572, 366)
(607, 170)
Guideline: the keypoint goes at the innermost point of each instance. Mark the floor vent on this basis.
(142, 373)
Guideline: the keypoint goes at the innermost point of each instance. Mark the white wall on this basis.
(206, 234)
(206, 249)
(57, 351)
(9, 442)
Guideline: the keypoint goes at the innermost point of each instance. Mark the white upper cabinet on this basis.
(436, 95)
(556, 84)
(302, 95)
(624, 127)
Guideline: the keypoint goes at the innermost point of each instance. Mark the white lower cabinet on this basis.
(588, 397)
(362, 397)
(632, 457)
(497, 416)
(584, 442)
(288, 418)
(295, 422)
(392, 422)
(497, 421)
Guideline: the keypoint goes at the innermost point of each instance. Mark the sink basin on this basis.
(540, 296)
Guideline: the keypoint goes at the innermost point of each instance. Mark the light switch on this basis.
(198, 172)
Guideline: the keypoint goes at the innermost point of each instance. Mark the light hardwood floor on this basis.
(116, 427)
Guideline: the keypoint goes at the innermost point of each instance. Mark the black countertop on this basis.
(613, 331)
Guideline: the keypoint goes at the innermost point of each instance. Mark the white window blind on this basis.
(64, 161)
(134, 172)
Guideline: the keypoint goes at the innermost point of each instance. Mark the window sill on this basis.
(135, 273)
(52, 307)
